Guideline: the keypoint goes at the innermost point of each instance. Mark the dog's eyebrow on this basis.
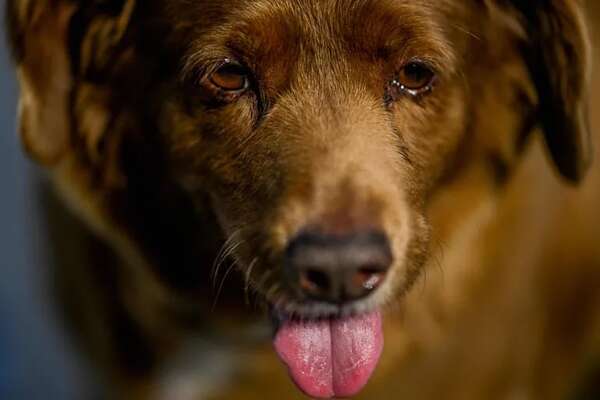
(233, 42)
(438, 53)
(419, 38)
(433, 49)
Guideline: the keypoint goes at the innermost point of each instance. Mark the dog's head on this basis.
(317, 132)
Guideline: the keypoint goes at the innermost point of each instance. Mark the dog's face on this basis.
(316, 123)
(336, 121)
(321, 130)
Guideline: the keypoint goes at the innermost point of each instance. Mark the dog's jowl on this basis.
(245, 188)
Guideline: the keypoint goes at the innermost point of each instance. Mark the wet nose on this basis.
(337, 268)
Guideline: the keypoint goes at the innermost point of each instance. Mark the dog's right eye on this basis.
(230, 77)
(414, 78)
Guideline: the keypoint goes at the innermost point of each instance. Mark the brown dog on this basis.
(373, 169)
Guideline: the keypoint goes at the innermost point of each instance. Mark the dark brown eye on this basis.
(414, 78)
(230, 77)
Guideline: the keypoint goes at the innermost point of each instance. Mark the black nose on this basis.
(337, 268)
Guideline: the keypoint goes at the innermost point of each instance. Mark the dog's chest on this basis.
(226, 367)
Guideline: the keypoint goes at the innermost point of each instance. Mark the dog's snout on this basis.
(337, 268)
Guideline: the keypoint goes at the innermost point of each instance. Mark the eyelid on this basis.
(215, 66)
(432, 64)
(198, 66)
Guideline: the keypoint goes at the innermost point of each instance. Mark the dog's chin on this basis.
(329, 350)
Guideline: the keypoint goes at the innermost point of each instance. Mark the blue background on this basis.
(36, 361)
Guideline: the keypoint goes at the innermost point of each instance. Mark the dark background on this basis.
(36, 361)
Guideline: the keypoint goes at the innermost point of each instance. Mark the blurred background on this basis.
(36, 361)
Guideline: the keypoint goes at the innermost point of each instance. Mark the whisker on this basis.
(466, 31)
(271, 292)
(228, 247)
(229, 252)
(218, 294)
(247, 277)
(218, 260)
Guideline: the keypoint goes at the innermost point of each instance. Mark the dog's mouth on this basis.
(326, 305)
(329, 357)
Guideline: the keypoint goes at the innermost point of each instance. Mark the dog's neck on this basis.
(484, 237)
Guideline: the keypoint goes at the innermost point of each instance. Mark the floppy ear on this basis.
(556, 50)
(56, 44)
(38, 35)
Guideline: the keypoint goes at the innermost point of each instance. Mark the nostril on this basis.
(314, 281)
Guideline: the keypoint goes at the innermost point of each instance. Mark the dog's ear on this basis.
(54, 44)
(557, 53)
(38, 31)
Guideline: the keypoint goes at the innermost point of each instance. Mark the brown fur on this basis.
(493, 293)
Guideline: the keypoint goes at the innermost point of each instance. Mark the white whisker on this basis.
(247, 277)
(222, 284)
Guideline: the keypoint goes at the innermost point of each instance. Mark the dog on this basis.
(245, 187)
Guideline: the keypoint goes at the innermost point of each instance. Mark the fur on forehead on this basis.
(255, 30)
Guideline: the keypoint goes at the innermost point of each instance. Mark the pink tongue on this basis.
(331, 358)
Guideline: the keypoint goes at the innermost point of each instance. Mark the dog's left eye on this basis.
(230, 77)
